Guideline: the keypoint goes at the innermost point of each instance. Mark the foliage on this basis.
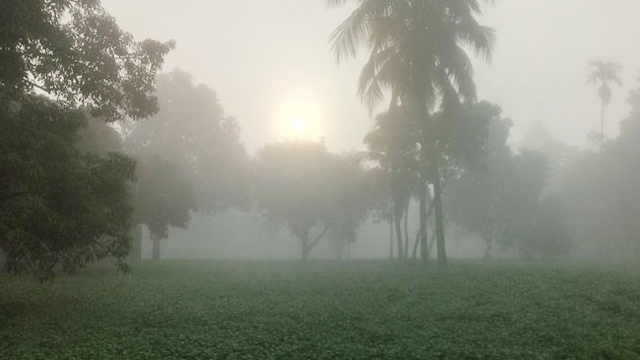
(327, 310)
(64, 200)
(75, 51)
(59, 205)
(192, 132)
(604, 72)
(163, 198)
(301, 185)
(417, 53)
(499, 195)
(601, 193)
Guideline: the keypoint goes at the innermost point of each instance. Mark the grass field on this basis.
(325, 310)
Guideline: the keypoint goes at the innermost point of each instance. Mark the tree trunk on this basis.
(155, 254)
(305, 252)
(391, 232)
(602, 126)
(487, 250)
(307, 244)
(406, 229)
(424, 254)
(437, 198)
(397, 216)
(136, 246)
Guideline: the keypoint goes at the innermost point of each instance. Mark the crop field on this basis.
(326, 310)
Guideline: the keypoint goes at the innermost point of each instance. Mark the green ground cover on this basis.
(326, 310)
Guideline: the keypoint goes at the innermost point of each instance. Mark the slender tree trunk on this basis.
(305, 252)
(155, 254)
(487, 250)
(406, 229)
(437, 198)
(415, 246)
(422, 193)
(136, 246)
(602, 127)
(308, 244)
(391, 232)
(397, 216)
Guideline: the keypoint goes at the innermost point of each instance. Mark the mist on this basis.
(326, 179)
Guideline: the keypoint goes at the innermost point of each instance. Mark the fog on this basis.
(272, 68)
(261, 55)
(319, 179)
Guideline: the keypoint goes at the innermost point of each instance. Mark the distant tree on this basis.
(301, 185)
(191, 157)
(417, 54)
(352, 201)
(604, 73)
(545, 235)
(163, 199)
(477, 198)
(58, 204)
(392, 145)
(192, 132)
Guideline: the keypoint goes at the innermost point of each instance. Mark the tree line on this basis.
(97, 142)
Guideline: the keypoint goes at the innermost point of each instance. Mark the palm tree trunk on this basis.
(391, 232)
(397, 216)
(422, 193)
(406, 229)
(437, 198)
(602, 126)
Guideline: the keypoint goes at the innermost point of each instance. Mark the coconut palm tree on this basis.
(417, 54)
(604, 73)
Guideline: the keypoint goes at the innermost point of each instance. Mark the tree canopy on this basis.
(74, 51)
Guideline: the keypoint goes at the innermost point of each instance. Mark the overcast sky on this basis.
(270, 62)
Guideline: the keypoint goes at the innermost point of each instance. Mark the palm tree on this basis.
(417, 54)
(604, 73)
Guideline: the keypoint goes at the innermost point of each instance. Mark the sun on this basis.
(299, 127)
(299, 116)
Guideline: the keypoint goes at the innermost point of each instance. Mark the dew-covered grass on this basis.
(326, 310)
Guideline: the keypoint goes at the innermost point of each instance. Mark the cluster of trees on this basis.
(79, 169)
(61, 64)
(417, 54)
(600, 192)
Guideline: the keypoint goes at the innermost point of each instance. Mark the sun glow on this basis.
(299, 125)
(299, 117)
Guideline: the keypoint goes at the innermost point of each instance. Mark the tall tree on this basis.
(60, 203)
(191, 157)
(416, 53)
(604, 73)
(193, 132)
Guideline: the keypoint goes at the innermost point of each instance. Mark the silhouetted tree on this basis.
(301, 185)
(604, 73)
(60, 203)
(416, 53)
(163, 199)
(192, 143)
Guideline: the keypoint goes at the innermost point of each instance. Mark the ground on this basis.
(326, 310)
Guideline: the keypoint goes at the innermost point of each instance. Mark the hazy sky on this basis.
(270, 63)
